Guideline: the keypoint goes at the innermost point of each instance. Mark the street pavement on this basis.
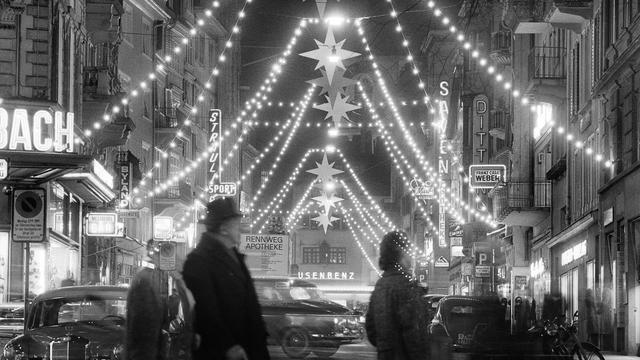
(362, 351)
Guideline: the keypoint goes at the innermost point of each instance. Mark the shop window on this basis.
(324, 255)
(146, 37)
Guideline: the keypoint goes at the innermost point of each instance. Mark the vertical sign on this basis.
(216, 187)
(124, 170)
(442, 228)
(480, 129)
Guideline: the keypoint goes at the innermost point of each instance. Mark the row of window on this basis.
(324, 255)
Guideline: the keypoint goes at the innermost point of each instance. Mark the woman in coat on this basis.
(396, 322)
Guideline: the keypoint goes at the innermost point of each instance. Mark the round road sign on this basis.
(29, 204)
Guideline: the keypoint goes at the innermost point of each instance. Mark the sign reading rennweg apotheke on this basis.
(267, 254)
(40, 130)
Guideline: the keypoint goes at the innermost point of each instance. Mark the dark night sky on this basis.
(266, 31)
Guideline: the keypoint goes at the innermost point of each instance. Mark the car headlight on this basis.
(117, 352)
(362, 319)
(11, 353)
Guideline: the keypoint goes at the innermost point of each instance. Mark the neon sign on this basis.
(216, 187)
(43, 131)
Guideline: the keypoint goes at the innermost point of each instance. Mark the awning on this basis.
(573, 230)
(32, 168)
(88, 187)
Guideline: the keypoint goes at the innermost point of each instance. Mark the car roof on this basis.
(75, 291)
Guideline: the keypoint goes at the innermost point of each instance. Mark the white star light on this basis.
(327, 201)
(330, 55)
(325, 221)
(339, 86)
(325, 171)
(338, 109)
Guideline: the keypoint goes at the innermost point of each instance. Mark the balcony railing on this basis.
(548, 62)
(182, 192)
(521, 194)
(501, 47)
(167, 118)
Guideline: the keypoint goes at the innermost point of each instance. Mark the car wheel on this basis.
(326, 352)
(295, 343)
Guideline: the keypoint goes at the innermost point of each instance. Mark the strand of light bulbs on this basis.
(302, 200)
(256, 100)
(367, 229)
(144, 86)
(499, 79)
(353, 224)
(364, 252)
(291, 222)
(360, 207)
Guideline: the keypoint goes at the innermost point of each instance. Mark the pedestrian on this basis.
(395, 322)
(228, 316)
(145, 335)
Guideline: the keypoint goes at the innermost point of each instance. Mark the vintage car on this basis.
(80, 322)
(431, 302)
(469, 327)
(11, 320)
(301, 320)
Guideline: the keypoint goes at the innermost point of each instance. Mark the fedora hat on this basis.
(219, 210)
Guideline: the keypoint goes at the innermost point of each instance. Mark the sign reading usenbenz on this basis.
(41, 130)
(486, 176)
(216, 187)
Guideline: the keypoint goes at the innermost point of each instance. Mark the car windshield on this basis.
(94, 308)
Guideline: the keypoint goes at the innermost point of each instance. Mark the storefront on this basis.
(540, 276)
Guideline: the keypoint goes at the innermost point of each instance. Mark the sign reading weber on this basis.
(266, 254)
(486, 176)
(216, 187)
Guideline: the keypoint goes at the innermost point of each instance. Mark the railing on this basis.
(548, 62)
(166, 118)
(518, 194)
(499, 120)
(500, 40)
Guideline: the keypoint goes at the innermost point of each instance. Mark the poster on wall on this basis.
(267, 254)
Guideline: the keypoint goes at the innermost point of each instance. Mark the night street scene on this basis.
(319, 179)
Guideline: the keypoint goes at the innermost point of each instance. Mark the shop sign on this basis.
(216, 187)
(102, 174)
(486, 176)
(442, 262)
(442, 226)
(466, 269)
(167, 256)
(424, 190)
(607, 216)
(43, 131)
(480, 129)
(129, 214)
(428, 245)
(4, 169)
(574, 253)
(327, 275)
(29, 215)
(455, 238)
(102, 224)
(162, 227)
(483, 271)
(125, 184)
(422, 274)
(266, 254)
(537, 268)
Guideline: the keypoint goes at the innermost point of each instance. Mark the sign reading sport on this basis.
(486, 176)
(267, 254)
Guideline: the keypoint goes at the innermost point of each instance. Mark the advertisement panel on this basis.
(267, 254)
(102, 224)
(486, 176)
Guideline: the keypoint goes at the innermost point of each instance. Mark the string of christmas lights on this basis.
(362, 249)
(303, 198)
(363, 210)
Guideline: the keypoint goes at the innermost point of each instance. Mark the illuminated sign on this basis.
(327, 275)
(42, 131)
(103, 174)
(480, 129)
(486, 176)
(216, 187)
(125, 184)
(537, 268)
(162, 227)
(4, 169)
(442, 228)
(102, 224)
(574, 253)
(266, 254)
(424, 190)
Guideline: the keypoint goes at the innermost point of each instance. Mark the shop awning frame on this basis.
(34, 168)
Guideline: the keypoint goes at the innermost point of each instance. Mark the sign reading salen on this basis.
(486, 176)
(41, 130)
(216, 187)
(574, 253)
(266, 254)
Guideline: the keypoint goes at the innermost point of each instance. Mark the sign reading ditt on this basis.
(42, 130)
(29, 215)
(216, 187)
(266, 254)
(486, 176)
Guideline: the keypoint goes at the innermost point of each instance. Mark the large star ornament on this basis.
(325, 171)
(340, 83)
(338, 110)
(327, 201)
(325, 221)
(330, 55)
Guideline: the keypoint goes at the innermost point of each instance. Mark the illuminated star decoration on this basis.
(338, 109)
(327, 201)
(321, 5)
(340, 84)
(330, 55)
(325, 171)
(325, 221)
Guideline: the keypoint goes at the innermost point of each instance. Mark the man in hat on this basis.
(228, 316)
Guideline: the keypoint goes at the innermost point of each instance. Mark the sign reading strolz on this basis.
(42, 130)
(216, 187)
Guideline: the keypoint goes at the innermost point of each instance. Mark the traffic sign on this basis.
(167, 258)
(29, 216)
(442, 262)
(4, 169)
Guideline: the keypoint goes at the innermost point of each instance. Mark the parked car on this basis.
(431, 302)
(469, 327)
(11, 320)
(301, 320)
(79, 322)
